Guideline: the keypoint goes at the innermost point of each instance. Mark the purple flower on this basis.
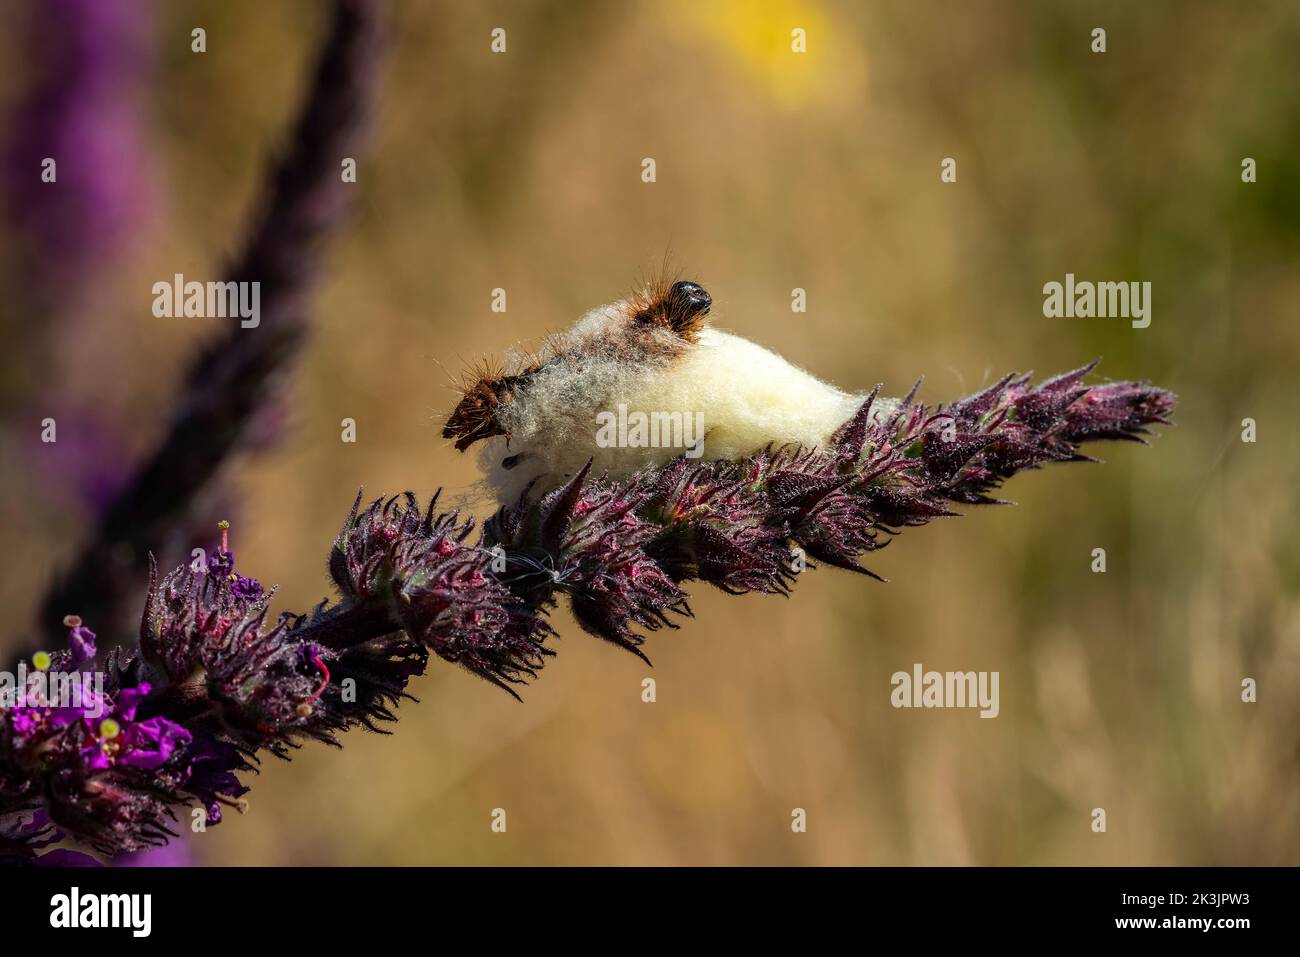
(442, 590)
(211, 775)
(151, 743)
(221, 563)
(81, 642)
(120, 739)
(249, 589)
(102, 772)
(195, 624)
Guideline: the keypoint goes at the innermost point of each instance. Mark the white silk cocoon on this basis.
(749, 397)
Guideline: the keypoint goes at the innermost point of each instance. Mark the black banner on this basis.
(356, 906)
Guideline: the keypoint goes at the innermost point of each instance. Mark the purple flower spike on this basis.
(219, 680)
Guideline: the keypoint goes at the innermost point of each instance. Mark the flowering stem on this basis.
(218, 681)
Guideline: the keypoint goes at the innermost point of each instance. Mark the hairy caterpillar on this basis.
(652, 353)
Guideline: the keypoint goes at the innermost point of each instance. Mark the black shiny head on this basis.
(680, 306)
(689, 299)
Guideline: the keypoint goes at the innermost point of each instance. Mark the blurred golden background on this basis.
(775, 170)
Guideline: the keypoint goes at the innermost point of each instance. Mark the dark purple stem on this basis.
(346, 625)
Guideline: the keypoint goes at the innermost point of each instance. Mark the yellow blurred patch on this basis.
(761, 38)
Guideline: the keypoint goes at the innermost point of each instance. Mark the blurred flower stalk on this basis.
(113, 782)
(227, 402)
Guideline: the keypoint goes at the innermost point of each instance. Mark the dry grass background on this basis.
(774, 171)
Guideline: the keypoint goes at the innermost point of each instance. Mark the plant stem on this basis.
(347, 625)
